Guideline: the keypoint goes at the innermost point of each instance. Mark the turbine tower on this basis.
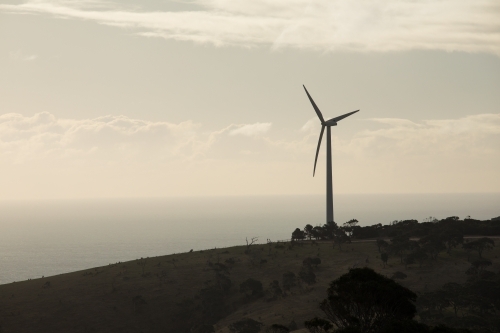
(328, 124)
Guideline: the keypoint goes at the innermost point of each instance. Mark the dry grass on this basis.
(102, 299)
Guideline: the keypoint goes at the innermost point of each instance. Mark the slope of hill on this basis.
(184, 292)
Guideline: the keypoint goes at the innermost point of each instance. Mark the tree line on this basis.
(411, 228)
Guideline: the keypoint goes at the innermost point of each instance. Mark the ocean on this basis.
(44, 238)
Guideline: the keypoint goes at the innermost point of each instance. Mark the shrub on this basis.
(307, 275)
(275, 288)
(252, 286)
(289, 280)
(277, 328)
(246, 325)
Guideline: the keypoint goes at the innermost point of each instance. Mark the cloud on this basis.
(251, 129)
(118, 139)
(18, 55)
(25, 138)
(109, 138)
(466, 138)
(46, 156)
(338, 25)
(311, 125)
(395, 122)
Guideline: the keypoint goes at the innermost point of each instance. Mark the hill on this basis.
(183, 292)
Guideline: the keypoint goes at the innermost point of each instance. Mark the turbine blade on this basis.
(317, 149)
(342, 116)
(318, 112)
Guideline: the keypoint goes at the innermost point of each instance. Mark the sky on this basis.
(157, 98)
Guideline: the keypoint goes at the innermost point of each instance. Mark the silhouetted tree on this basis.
(329, 229)
(252, 241)
(340, 237)
(452, 237)
(453, 293)
(351, 223)
(384, 256)
(318, 233)
(349, 226)
(367, 300)
(399, 245)
(419, 256)
(481, 264)
(432, 245)
(252, 287)
(381, 244)
(308, 230)
(480, 245)
(312, 262)
(298, 235)
(307, 275)
(315, 262)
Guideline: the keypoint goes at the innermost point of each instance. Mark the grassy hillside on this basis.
(172, 293)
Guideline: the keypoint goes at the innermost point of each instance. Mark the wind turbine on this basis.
(328, 124)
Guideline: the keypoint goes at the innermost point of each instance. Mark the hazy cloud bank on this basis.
(42, 155)
(352, 25)
(20, 56)
(474, 136)
(252, 129)
(108, 138)
(401, 142)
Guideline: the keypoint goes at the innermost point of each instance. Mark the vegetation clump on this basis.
(363, 301)
(246, 325)
(277, 328)
(252, 287)
(367, 300)
(289, 281)
(480, 245)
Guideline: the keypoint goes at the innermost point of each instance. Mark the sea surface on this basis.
(44, 238)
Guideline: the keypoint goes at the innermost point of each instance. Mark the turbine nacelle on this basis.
(329, 123)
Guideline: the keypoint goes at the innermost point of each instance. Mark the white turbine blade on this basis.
(317, 149)
(318, 112)
(341, 117)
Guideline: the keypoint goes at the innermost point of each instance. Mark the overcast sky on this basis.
(181, 98)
